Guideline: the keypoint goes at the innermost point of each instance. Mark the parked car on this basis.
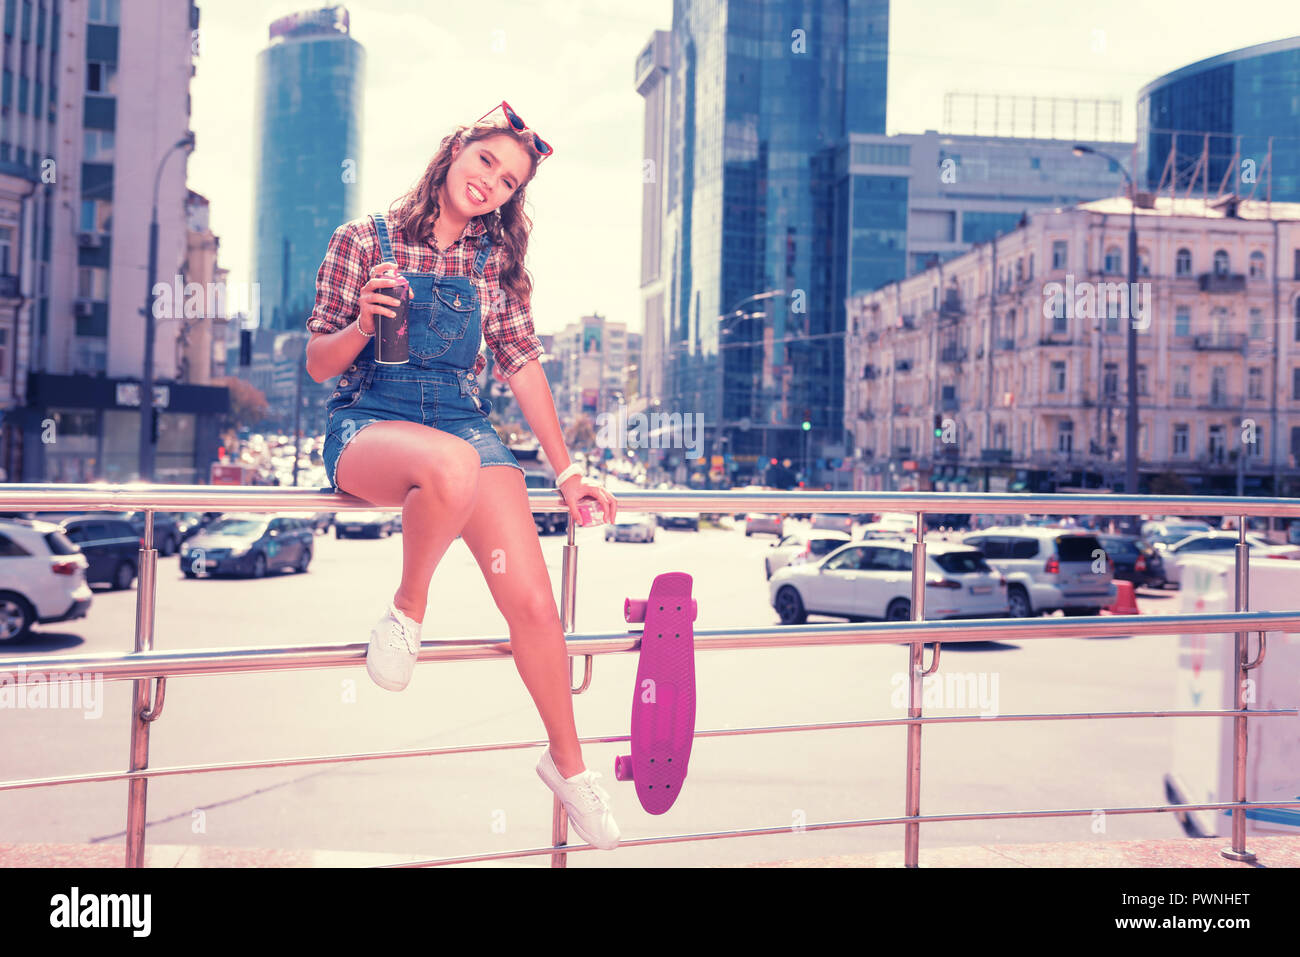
(547, 522)
(1136, 560)
(803, 546)
(363, 525)
(1221, 542)
(1162, 534)
(249, 543)
(764, 522)
(1048, 568)
(833, 521)
(631, 527)
(321, 521)
(111, 546)
(679, 520)
(874, 580)
(43, 576)
(167, 535)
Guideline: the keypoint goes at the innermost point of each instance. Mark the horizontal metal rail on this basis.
(146, 667)
(254, 498)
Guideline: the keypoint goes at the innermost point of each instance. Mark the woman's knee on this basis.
(450, 471)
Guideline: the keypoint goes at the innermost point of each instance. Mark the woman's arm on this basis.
(533, 393)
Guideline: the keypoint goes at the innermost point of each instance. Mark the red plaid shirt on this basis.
(354, 250)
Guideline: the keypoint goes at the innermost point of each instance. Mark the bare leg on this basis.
(432, 476)
(501, 535)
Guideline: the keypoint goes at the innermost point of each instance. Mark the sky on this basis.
(566, 66)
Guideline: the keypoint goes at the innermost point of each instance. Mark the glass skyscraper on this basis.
(754, 96)
(1252, 94)
(307, 125)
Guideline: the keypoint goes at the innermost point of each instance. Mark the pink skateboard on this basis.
(663, 701)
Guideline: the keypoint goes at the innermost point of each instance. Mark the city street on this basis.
(460, 804)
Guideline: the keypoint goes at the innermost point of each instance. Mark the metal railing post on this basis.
(916, 654)
(568, 620)
(137, 788)
(1240, 645)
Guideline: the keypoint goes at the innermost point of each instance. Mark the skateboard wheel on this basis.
(623, 767)
(634, 609)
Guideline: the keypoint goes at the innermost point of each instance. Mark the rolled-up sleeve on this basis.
(339, 280)
(508, 328)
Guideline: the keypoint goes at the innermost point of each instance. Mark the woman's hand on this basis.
(574, 490)
(373, 301)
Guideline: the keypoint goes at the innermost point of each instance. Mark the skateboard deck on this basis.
(663, 701)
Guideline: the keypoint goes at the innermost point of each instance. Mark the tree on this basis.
(248, 404)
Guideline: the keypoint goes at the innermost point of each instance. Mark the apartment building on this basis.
(1005, 368)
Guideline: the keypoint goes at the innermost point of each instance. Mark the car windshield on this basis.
(237, 526)
(1077, 548)
(824, 546)
(962, 563)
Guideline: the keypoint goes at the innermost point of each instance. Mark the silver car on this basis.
(1049, 568)
(764, 522)
(803, 546)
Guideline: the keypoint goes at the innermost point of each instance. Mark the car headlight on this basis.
(240, 552)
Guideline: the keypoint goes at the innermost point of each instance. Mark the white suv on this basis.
(42, 577)
(1049, 568)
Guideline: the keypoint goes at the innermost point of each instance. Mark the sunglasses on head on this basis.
(516, 123)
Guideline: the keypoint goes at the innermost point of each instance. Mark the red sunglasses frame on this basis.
(544, 149)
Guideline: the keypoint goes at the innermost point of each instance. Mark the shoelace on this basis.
(399, 637)
(594, 797)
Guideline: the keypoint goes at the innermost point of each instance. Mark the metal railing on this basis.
(149, 669)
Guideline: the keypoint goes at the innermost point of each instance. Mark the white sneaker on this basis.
(585, 801)
(394, 647)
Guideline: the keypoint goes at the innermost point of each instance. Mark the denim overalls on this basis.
(437, 387)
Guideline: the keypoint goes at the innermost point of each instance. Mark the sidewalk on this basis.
(1181, 853)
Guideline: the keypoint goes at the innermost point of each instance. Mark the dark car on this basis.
(111, 547)
(546, 522)
(249, 544)
(679, 520)
(368, 524)
(1135, 561)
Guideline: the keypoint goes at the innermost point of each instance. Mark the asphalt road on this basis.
(461, 804)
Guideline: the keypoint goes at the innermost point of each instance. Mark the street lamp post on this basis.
(147, 438)
(1131, 426)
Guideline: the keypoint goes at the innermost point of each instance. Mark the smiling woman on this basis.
(415, 435)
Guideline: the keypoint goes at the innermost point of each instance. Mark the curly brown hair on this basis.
(416, 211)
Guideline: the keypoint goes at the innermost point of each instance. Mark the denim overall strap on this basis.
(483, 254)
(385, 249)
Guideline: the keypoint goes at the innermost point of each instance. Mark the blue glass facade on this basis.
(762, 91)
(1242, 99)
(307, 156)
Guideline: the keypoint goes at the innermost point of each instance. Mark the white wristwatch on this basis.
(573, 469)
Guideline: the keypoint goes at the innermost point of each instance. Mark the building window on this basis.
(1112, 314)
(1183, 263)
(1255, 382)
(1112, 263)
(4, 349)
(1296, 274)
(1257, 323)
(103, 11)
(101, 78)
(1144, 262)
(1110, 380)
(97, 146)
(1219, 324)
(1065, 436)
(1183, 381)
(1030, 267)
(1257, 265)
(1020, 270)
(6, 250)
(1295, 383)
(1218, 386)
(1254, 447)
(1216, 444)
(1183, 321)
(1056, 383)
(1142, 379)
(1180, 440)
(1221, 262)
(1061, 254)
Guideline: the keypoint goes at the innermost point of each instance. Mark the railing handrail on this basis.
(129, 665)
(254, 498)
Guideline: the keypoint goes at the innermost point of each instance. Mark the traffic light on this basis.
(938, 426)
(807, 420)
(245, 347)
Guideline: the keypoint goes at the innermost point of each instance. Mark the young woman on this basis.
(417, 435)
